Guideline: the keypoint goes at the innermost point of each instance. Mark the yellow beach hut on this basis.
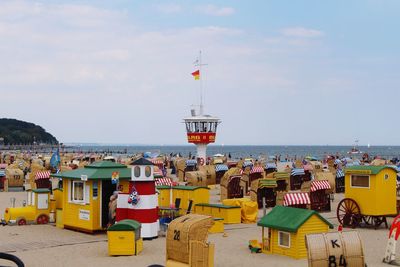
(373, 188)
(87, 192)
(287, 228)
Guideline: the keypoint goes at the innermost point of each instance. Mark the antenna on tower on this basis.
(199, 63)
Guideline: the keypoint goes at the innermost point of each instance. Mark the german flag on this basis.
(196, 75)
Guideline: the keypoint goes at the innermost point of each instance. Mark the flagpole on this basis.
(199, 63)
(201, 85)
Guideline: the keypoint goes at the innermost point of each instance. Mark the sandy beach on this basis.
(47, 245)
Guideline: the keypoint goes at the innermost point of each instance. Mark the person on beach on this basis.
(112, 209)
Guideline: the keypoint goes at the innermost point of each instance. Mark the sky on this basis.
(278, 72)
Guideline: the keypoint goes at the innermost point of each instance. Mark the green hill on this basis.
(21, 132)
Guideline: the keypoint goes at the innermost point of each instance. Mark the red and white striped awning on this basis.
(320, 185)
(157, 162)
(163, 181)
(257, 169)
(42, 175)
(296, 198)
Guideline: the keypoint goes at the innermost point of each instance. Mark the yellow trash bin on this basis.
(124, 238)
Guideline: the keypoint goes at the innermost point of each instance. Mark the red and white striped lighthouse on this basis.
(141, 203)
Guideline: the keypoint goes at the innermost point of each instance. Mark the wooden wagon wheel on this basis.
(42, 219)
(348, 213)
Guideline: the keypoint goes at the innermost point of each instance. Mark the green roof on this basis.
(125, 225)
(182, 187)
(163, 187)
(106, 164)
(41, 190)
(367, 169)
(101, 170)
(288, 219)
(187, 187)
(221, 206)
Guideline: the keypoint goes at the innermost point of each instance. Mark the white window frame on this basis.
(33, 198)
(364, 187)
(72, 186)
(29, 198)
(279, 239)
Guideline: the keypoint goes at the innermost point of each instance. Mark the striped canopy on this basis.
(267, 183)
(221, 167)
(257, 169)
(270, 165)
(281, 175)
(191, 162)
(247, 163)
(319, 185)
(297, 171)
(156, 161)
(163, 181)
(339, 173)
(296, 198)
(42, 175)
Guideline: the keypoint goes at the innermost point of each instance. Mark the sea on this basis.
(240, 151)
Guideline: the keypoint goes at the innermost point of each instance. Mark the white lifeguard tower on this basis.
(201, 129)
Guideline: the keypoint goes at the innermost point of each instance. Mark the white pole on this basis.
(201, 85)
(199, 63)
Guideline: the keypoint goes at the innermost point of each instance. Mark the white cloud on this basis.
(301, 32)
(169, 8)
(213, 10)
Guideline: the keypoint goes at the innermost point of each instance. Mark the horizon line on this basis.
(218, 145)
